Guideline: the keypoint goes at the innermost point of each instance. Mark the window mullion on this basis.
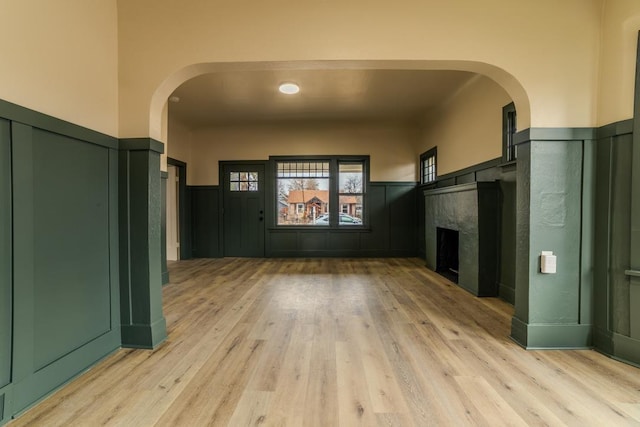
(334, 209)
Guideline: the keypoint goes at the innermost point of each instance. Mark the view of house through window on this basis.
(351, 177)
(308, 189)
(302, 192)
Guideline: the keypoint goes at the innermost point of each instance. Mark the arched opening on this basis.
(474, 73)
(158, 113)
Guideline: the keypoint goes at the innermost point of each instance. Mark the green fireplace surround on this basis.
(80, 246)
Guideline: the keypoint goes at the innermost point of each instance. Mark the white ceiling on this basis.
(252, 96)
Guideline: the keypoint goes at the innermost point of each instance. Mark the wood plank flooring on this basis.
(338, 342)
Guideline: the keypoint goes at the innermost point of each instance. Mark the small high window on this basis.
(428, 164)
(509, 126)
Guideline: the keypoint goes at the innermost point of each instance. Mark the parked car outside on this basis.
(344, 219)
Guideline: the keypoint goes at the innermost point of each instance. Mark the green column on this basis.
(550, 309)
(143, 324)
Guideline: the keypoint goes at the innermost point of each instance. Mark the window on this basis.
(509, 126)
(243, 181)
(351, 178)
(321, 192)
(428, 161)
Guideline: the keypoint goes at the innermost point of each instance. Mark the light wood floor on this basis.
(334, 342)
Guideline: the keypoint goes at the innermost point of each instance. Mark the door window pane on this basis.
(243, 181)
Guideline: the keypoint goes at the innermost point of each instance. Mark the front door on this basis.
(243, 208)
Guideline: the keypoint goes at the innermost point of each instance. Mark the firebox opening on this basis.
(447, 255)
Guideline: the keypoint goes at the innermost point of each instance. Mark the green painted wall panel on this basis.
(344, 241)
(163, 228)
(65, 277)
(555, 221)
(620, 238)
(507, 275)
(402, 208)
(378, 238)
(588, 232)
(71, 255)
(523, 201)
(6, 404)
(205, 211)
(602, 235)
(23, 248)
(5, 254)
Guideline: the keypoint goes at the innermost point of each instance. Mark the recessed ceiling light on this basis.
(174, 98)
(289, 88)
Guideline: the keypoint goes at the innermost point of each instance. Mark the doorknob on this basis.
(261, 218)
(261, 212)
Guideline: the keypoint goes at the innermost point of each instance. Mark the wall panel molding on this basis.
(65, 280)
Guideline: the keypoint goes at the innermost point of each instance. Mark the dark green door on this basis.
(243, 208)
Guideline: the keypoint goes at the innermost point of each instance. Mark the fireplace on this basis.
(461, 235)
(447, 263)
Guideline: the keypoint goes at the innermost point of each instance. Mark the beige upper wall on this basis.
(179, 146)
(389, 145)
(550, 47)
(61, 58)
(621, 22)
(468, 128)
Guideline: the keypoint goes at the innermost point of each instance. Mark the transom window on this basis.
(243, 181)
(321, 192)
(428, 164)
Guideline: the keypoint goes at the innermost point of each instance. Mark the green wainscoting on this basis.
(614, 305)
(140, 201)
(6, 274)
(65, 246)
(549, 310)
(507, 268)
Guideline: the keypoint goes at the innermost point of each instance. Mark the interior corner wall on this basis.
(389, 145)
(470, 122)
(61, 58)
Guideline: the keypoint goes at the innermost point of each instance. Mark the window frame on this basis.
(334, 210)
(509, 129)
(424, 157)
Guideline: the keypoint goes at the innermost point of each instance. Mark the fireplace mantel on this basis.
(474, 211)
